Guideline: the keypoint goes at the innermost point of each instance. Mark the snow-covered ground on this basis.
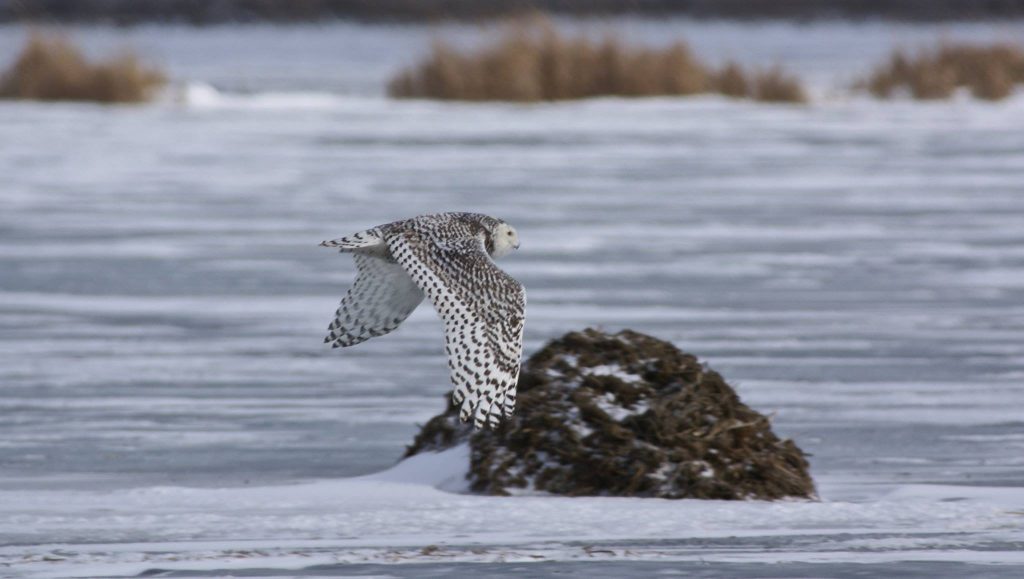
(401, 516)
(854, 268)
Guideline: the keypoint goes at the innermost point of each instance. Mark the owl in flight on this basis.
(448, 258)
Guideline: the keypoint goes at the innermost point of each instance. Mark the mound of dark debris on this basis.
(625, 415)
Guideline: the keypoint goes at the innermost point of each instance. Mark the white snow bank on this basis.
(445, 470)
(201, 95)
(392, 516)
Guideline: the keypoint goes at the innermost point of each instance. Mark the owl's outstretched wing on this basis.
(482, 308)
(382, 296)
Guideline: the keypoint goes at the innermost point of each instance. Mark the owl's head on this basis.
(503, 239)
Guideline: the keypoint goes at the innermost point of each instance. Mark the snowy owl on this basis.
(446, 256)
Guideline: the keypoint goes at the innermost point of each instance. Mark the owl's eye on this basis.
(510, 233)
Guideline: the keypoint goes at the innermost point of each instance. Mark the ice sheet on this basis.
(854, 268)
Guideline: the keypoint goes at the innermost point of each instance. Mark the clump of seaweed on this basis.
(989, 72)
(50, 68)
(532, 61)
(625, 414)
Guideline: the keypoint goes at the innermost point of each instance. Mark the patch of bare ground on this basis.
(625, 414)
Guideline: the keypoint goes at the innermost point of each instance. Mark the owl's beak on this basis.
(516, 246)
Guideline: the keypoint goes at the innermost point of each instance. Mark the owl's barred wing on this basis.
(364, 240)
(382, 296)
(482, 308)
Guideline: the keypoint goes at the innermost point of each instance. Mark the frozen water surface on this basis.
(854, 268)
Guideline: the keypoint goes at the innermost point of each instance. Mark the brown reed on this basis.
(532, 61)
(988, 72)
(51, 68)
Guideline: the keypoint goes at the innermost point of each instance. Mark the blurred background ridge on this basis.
(217, 11)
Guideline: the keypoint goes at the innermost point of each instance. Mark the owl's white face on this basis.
(505, 239)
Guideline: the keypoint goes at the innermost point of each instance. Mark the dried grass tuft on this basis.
(989, 72)
(532, 61)
(50, 68)
(732, 81)
(777, 86)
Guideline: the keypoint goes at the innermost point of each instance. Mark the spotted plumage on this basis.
(446, 257)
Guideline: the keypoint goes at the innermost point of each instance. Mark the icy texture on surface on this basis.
(855, 268)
